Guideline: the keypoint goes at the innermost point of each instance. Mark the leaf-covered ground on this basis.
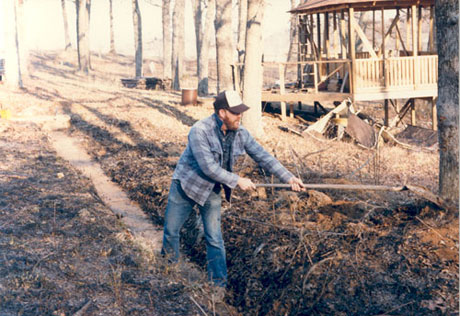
(313, 253)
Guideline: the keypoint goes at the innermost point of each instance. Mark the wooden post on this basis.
(397, 36)
(387, 116)
(412, 112)
(318, 28)
(282, 91)
(351, 48)
(419, 28)
(335, 36)
(291, 110)
(431, 38)
(343, 44)
(408, 28)
(326, 42)
(415, 49)
(385, 74)
(301, 48)
(414, 30)
(373, 29)
(434, 114)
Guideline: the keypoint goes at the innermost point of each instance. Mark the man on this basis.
(204, 168)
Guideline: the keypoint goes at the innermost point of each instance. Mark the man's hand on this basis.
(246, 184)
(296, 184)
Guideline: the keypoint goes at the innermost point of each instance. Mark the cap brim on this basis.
(238, 109)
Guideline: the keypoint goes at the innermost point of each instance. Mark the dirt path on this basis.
(145, 234)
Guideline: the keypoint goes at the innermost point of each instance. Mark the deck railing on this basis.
(396, 73)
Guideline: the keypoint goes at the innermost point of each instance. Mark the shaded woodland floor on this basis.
(313, 253)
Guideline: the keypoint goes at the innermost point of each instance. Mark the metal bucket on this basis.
(189, 96)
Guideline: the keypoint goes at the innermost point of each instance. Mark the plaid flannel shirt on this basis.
(200, 165)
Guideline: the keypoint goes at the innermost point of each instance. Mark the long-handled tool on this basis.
(411, 188)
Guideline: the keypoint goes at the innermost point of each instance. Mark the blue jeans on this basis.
(177, 212)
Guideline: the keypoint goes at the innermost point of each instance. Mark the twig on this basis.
(82, 310)
(395, 309)
(434, 230)
(198, 305)
(310, 271)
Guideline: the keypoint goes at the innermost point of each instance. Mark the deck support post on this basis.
(412, 112)
(434, 114)
(386, 119)
(291, 110)
(282, 91)
(351, 49)
(431, 36)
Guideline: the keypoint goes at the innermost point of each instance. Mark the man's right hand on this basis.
(246, 184)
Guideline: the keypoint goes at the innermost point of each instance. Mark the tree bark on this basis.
(447, 35)
(68, 44)
(167, 43)
(253, 74)
(203, 37)
(137, 23)
(82, 8)
(293, 34)
(242, 20)
(178, 46)
(13, 62)
(224, 44)
(112, 35)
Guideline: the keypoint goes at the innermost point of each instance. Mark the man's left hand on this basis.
(296, 184)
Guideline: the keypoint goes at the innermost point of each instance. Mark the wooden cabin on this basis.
(385, 57)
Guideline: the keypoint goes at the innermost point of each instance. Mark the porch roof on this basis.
(317, 6)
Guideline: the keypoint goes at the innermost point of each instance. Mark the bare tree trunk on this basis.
(178, 44)
(253, 72)
(112, 35)
(240, 46)
(137, 23)
(242, 20)
(203, 37)
(68, 44)
(224, 44)
(447, 35)
(167, 43)
(13, 72)
(82, 7)
(293, 34)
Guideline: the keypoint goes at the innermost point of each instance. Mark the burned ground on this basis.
(313, 253)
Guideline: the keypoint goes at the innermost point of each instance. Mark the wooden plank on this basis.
(363, 38)
(268, 96)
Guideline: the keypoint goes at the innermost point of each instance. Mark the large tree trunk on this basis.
(447, 35)
(240, 45)
(203, 37)
(224, 44)
(167, 44)
(82, 8)
(13, 45)
(293, 34)
(178, 46)
(242, 19)
(112, 35)
(252, 84)
(68, 44)
(137, 23)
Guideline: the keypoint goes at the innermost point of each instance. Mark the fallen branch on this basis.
(82, 310)
(198, 305)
